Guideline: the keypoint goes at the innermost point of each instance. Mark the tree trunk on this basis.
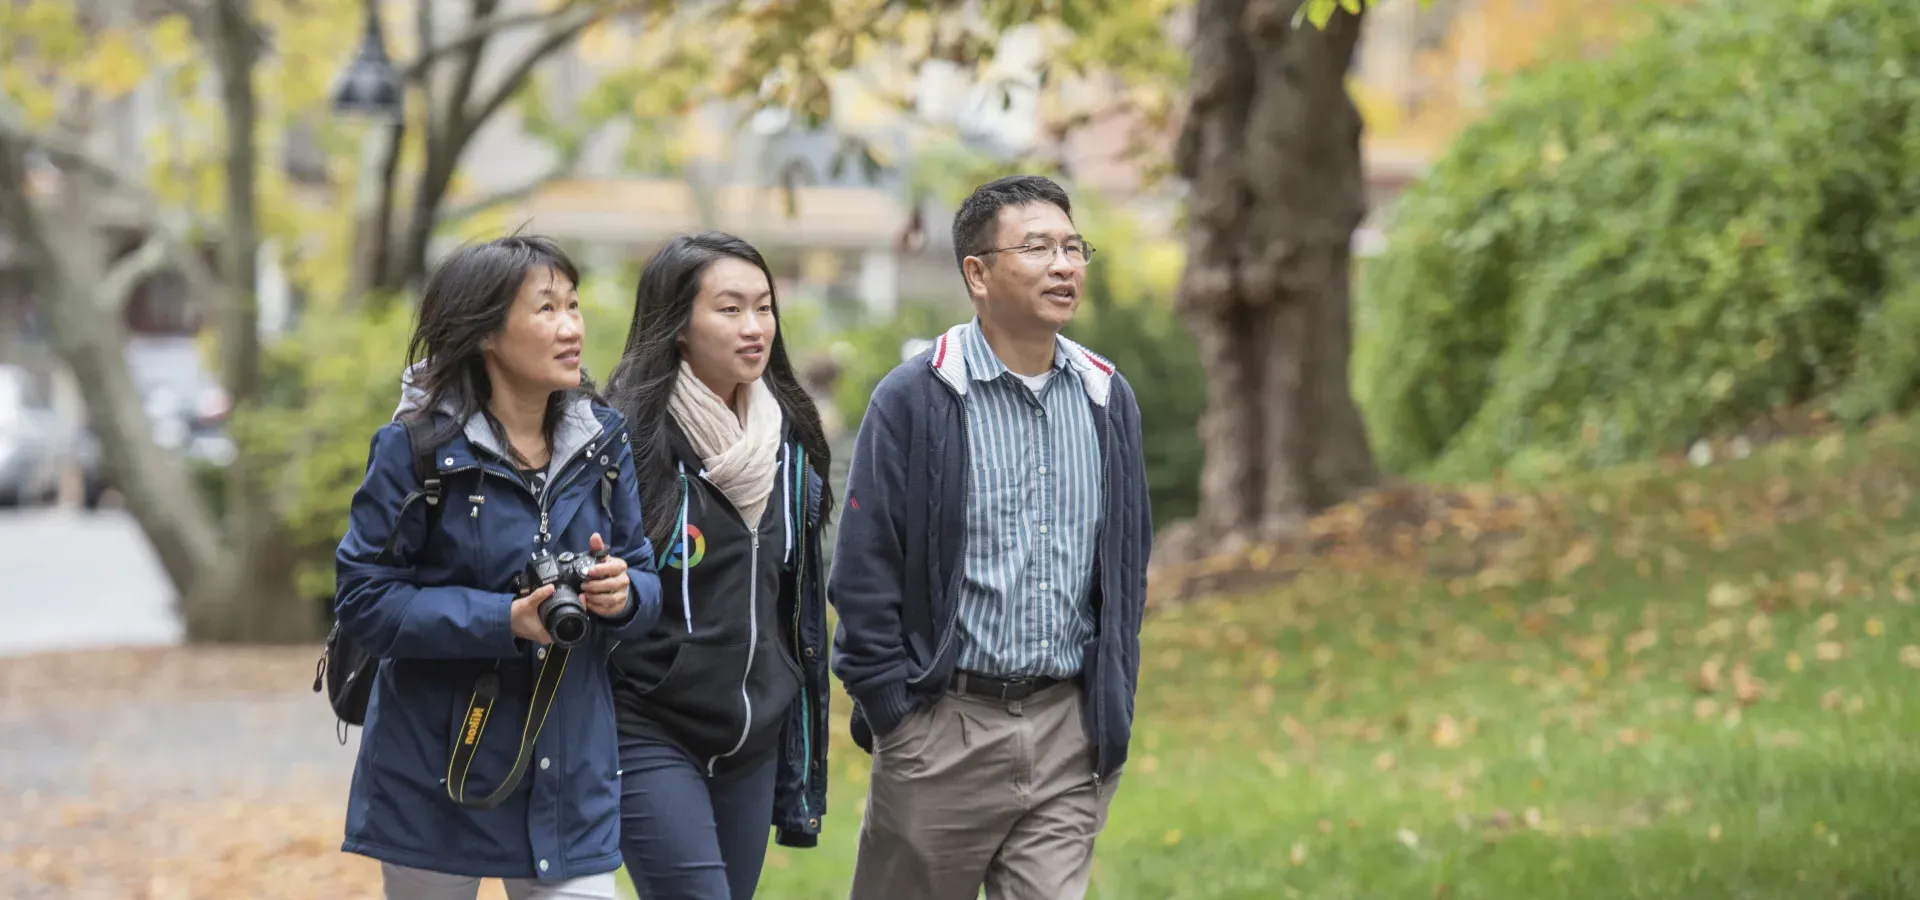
(235, 48)
(1271, 150)
(456, 109)
(64, 255)
(251, 597)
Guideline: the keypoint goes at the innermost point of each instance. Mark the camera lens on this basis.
(566, 621)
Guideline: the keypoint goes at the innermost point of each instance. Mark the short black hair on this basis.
(973, 224)
(466, 300)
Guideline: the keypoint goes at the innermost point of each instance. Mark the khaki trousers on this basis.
(971, 791)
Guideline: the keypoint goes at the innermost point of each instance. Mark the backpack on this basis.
(345, 669)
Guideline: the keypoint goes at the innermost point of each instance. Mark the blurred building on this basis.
(834, 232)
(831, 230)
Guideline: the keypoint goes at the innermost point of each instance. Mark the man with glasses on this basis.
(990, 574)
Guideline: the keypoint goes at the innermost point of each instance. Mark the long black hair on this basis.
(643, 381)
(466, 301)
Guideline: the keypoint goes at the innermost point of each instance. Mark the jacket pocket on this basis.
(683, 668)
(773, 686)
(905, 747)
(699, 699)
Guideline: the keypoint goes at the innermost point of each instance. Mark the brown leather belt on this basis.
(998, 688)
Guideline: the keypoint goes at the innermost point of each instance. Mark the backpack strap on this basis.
(425, 474)
(420, 438)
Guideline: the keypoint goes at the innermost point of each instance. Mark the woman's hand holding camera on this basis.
(607, 588)
(604, 593)
(525, 616)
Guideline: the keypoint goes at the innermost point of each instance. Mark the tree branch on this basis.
(477, 34)
(117, 286)
(562, 169)
(469, 70)
(61, 147)
(570, 22)
(423, 33)
(465, 119)
(194, 10)
(382, 252)
(67, 150)
(16, 208)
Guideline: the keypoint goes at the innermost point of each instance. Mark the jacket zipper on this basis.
(1104, 560)
(953, 585)
(753, 643)
(542, 501)
(753, 626)
(546, 497)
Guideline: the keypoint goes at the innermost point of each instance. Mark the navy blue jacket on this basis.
(437, 616)
(897, 557)
(800, 782)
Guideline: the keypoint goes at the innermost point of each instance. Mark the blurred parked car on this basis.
(184, 402)
(29, 438)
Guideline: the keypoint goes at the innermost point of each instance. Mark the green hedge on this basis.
(1719, 218)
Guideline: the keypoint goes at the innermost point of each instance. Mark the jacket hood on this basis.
(578, 425)
(411, 396)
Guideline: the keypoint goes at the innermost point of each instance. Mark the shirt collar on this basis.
(985, 365)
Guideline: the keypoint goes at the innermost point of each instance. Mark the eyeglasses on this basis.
(1042, 252)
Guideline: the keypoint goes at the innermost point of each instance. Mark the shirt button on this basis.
(1043, 585)
(546, 762)
(1043, 529)
(543, 865)
(1045, 644)
(1038, 413)
(1043, 470)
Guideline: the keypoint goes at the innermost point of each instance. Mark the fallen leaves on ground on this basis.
(118, 674)
(283, 847)
(1396, 524)
(127, 834)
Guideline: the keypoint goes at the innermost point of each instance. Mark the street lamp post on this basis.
(371, 87)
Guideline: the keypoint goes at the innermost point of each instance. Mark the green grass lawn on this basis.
(1659, 683)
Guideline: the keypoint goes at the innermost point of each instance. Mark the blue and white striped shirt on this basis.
(1033, 518)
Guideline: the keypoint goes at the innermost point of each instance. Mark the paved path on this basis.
(72, 579)
(132, 767)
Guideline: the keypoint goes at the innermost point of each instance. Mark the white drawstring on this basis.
(786, 510)
(686, 552)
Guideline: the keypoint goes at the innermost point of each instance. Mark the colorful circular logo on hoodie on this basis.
(677, 557)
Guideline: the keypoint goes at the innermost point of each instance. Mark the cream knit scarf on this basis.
(740, 458)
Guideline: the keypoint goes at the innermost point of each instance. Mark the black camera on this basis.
(565, 619)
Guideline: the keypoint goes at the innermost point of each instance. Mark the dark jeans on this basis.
(685, 836)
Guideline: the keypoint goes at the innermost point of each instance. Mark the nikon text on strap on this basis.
(486, 692)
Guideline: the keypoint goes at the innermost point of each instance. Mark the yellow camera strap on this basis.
(486, 692)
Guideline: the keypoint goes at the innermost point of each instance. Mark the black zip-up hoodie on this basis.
(716, 676)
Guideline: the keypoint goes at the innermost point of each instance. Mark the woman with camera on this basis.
(723, 706)
(493, 557)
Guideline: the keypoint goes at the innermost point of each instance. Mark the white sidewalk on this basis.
(71, 579)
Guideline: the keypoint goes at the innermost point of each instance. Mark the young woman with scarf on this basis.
(722, 707)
